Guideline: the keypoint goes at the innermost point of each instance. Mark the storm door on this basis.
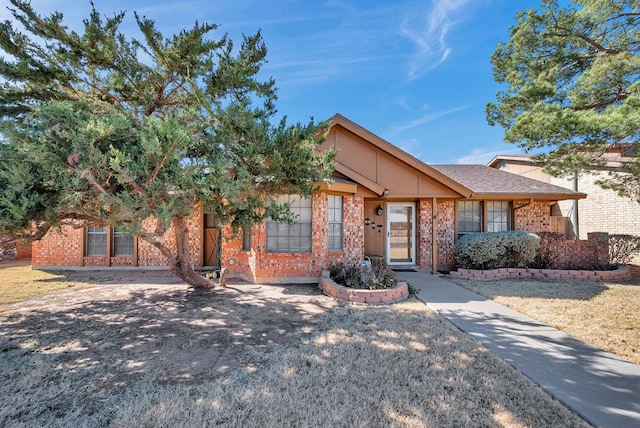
(401, 233)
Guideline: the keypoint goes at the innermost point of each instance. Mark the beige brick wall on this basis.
(603, 210)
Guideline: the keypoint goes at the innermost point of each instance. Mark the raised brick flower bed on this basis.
(622, 273)
(360, 296)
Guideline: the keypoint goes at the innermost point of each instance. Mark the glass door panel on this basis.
(400, 234)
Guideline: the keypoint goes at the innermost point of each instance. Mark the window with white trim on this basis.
(292, 237)
(498, 216)
(122, 243)
(335, 223)
(473, 217)
(96, 241)
(469, 217)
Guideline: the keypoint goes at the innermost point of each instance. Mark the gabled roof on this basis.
(616, 156)
(463, 181)
(495, 162)
(406, 158)
(486, 182)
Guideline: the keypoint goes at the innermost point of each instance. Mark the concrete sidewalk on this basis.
(603, 388)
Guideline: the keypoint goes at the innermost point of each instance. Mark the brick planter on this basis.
(358, 296)
(622, 273)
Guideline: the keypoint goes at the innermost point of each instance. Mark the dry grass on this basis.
(19, 282)
(110, 359)
(603, 314)
(392, 366)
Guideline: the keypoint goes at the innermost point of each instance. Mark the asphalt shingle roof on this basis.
(484, 180)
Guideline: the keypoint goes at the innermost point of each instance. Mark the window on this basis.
(96, 241)
(246, 238)
(291, 237)
(469, 217)
(498, 216)
(490, 216)
(122, 243)
(335, 223)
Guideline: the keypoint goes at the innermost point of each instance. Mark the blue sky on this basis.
(416, 73)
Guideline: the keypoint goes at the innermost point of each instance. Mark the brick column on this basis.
(600, 243)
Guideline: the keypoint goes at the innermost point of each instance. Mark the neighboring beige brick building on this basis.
(602, 211)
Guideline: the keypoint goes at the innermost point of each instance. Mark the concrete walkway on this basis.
(603, 388)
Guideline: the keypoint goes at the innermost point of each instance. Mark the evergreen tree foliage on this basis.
(101, 127)
(571, 75)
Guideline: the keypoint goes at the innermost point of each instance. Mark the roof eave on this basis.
(358, 178)
(534, 196)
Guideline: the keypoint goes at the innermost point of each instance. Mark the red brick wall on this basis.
(65, 247)
(61, 247)
(258, 265)
(446, 212)
(148, 255)
(425, 243)
(532, 217)
(592, 253)
(23, 251)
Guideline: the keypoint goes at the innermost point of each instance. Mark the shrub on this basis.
(622, 248)
(377, 276)
(490, 250)
(544, 256)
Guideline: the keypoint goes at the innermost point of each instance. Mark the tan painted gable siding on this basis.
(401, 180)
(525, 170)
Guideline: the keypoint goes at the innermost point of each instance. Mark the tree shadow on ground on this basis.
(580, 375)
(102, 339)
(398, 365)
(158, 355)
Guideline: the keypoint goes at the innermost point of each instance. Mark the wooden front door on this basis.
(212, 235)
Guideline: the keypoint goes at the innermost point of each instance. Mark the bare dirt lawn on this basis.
(603, 314)
(136, 349)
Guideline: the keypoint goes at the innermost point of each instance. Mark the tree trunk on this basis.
(179, 263)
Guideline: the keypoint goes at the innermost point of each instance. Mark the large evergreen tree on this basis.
(571, 74)
(112, 130)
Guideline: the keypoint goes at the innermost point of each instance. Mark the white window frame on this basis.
(335, 223)
(122, 243)
(295, 237)
(96, 249)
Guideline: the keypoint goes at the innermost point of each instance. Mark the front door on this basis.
(401, 233)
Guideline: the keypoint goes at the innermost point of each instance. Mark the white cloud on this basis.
(429, 117)
(430, 36)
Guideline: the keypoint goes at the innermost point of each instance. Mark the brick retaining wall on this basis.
(623, 273)
(358, 296)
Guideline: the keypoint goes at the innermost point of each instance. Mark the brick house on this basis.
(603, 211)
(382, 201)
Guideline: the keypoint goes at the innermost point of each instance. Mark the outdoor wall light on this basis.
(379, 210)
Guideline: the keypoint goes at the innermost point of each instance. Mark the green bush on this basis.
(622, 248)
(490, 250)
